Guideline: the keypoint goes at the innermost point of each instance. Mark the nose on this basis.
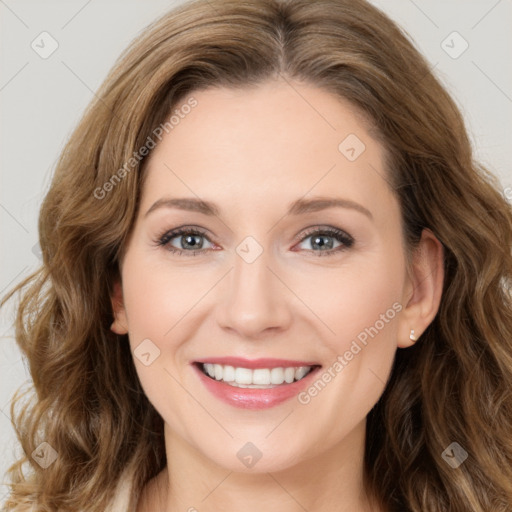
(253, 299)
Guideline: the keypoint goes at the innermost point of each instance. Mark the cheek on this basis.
(152, 309)
(360, 301)
(362, 308)
(155, 312)
(157, 296)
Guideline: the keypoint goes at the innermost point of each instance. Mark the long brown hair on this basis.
(453, 385)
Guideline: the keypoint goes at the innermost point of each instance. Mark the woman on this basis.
(274, 278)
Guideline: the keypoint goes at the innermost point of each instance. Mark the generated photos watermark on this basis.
(128, 166)
(361, 341)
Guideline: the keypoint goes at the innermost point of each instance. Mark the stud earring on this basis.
(411, 336)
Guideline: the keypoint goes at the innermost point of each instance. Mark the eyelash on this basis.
(346, 240)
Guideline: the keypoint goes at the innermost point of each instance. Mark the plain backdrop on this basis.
(43, 97)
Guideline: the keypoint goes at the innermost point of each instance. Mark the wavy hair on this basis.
(453, 385)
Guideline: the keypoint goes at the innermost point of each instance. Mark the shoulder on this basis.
(121, 502)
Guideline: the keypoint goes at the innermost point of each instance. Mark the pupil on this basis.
(188, 238)
(320, 244)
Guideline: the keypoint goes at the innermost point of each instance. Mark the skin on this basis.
(253, 151)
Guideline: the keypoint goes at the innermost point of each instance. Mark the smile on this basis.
(267, 384)
(260, 378)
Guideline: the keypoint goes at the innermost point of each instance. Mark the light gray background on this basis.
(42, 100)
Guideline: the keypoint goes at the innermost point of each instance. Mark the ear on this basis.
(423, 289)
(119, 325)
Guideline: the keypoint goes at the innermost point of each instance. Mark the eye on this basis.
(320, 240)
(190, 239)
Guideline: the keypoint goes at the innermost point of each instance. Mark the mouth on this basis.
(255, 378)
(255, 384)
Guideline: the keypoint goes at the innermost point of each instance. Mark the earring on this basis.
(411, 336)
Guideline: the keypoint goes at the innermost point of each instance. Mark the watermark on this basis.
(36, 251)
(351, 147)
(249, 249)
(507, 192)
(45, 455)
(133, 161)
(454, 45)
(146, 352)
(249, 454)
(304, 397)
(454, 455)
(44, 45)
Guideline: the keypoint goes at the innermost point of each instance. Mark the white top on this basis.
(121, 500)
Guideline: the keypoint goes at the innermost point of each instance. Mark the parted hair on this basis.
(453, 385)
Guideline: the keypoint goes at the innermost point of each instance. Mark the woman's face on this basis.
(272, 275)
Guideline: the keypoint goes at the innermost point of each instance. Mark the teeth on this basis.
(258, 378)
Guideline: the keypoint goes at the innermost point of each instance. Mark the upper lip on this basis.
(265, 362)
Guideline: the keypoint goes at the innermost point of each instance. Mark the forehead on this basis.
(265, 144)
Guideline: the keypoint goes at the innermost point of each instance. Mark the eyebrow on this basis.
(298, 207)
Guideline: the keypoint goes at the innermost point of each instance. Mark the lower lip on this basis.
(252, 398)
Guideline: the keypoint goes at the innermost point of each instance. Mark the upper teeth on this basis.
(246, 377)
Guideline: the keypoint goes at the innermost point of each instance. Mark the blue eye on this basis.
(192, 243)
(318, 237)
(191, 240)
